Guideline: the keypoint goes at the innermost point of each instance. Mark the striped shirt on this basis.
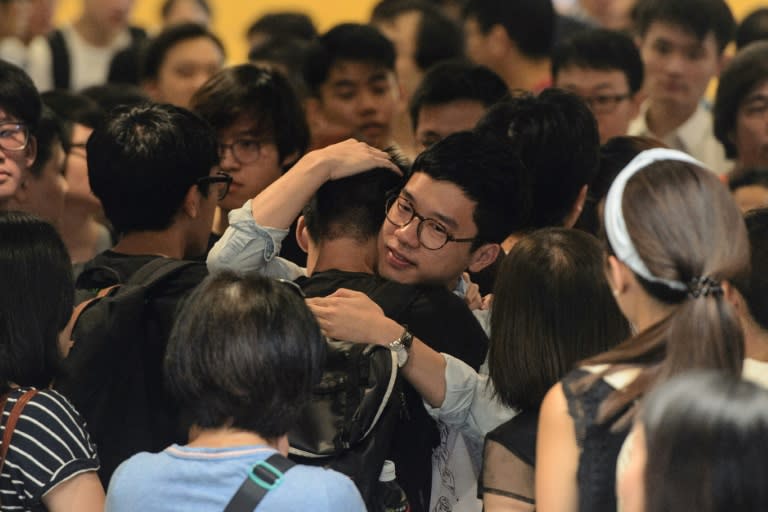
(49, 445)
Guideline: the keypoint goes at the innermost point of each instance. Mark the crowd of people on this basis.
(530, 213)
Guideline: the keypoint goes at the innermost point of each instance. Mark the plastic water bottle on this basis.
(390, 496)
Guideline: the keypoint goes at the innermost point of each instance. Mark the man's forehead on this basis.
(441, 200)
(679, 34)
(357, 70)
(584, 76)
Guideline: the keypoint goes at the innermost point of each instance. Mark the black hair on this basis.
(456, 80)
(283, 52)
(705, 444)
(36, 300)
(529, 23)
(438, 37)
(245, 352)
(142, 163)
(756, 291)
(263, 94)
(748, 177)
(295, 25)
(556, 137)
(155, 52)
(74, 108)
(541, 326)
(601, 49)
(752, 28)
(748, 69)
(50, 131)
(699, 17)
(489, 173)
(351, 207)
(346, 42)
(18, 95)
(113, 95)
(165, 9)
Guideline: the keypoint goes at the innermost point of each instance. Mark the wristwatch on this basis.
(401, 346)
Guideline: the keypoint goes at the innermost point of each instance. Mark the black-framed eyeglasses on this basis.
(431, 234)
(224, 179)
(244, 151)
(13, 136)
(605, 103)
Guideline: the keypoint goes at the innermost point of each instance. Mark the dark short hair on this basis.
(438, 37)
(555, 135)
(295, 25)
(751, 176)
(529, 23)
(50, 131)
(346, 42)
(142, 163)
(111, 96)
(36, 299)
(756, 291)
(489, 173)
(704, 436)
(74, 108)
(752, 28)
(287, 52)
(748, 69)
(456, 80)
(245, 352)
(699, 17)
(351, 207)
(263, 94)
(541, 326)
(601, 49)
(156, 50)
(165, 9)
(18, 95)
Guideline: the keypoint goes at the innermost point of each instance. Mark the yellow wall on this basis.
(232, 17)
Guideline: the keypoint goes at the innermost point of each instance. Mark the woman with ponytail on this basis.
(676, 245)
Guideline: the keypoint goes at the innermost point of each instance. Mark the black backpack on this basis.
(113, 373)
(352, 419)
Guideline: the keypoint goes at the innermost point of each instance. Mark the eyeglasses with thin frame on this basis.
(431, 234)
(605, 103)
(244, 151)
(13, 136)
(219, 177)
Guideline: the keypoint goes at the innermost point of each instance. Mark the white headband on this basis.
(616, 228)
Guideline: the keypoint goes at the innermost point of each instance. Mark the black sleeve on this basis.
(444, 322)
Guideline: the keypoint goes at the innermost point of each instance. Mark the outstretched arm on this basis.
(279, 204)
(353, 316)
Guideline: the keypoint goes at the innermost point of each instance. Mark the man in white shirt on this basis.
(681, 44)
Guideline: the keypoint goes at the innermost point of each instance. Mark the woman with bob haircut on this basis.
(741, 107)
(677, 249)
(699, 443)
(541, 326)
(241, 363)
(50, 462)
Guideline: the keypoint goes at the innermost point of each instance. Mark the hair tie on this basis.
(616, 227)
(704, 287)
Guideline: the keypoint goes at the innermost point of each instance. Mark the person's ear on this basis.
(302, 235)
(576, 209)
(498, 41)
(21, 196)
(732, 295)
(483, 256)
(192, 200)
(30, 151)
(722, 62)
(617, 275)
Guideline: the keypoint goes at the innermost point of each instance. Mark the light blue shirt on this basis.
(205, 479)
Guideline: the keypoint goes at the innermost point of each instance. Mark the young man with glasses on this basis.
(19, 114)
(604, 68)
(260, 126)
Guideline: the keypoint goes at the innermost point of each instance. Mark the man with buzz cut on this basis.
(682, 45)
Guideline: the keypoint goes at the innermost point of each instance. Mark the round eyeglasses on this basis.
(431, 234)
(244, 151)
(13, 136)
(223, 179)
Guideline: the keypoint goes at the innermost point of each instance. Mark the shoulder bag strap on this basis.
(10, 425)
(263, 477)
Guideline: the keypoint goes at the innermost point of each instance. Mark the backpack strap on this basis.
(60, 59)
(157, 270)
(10, 425)
(262, 478)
